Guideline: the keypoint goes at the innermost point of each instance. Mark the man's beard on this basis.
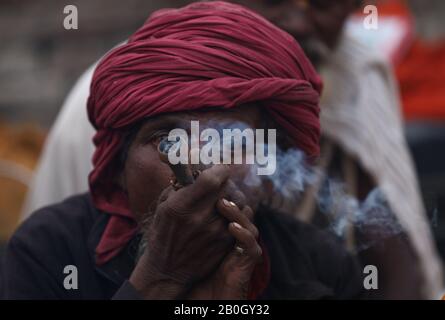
(143, 242)
(141, 248)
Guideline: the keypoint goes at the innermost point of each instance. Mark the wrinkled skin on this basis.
(191, 233)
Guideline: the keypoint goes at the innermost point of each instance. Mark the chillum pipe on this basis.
(182, 172)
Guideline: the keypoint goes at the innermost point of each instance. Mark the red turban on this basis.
(203, 55)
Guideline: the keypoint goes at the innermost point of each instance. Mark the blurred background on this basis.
(40, 62)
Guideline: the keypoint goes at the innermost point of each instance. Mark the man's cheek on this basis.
(144, 185)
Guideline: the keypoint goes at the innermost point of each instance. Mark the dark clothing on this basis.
(306, 263)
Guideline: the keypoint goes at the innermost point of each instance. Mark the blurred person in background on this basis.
(420, 71)
(363, 139)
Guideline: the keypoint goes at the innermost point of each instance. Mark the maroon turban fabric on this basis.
(206, 54)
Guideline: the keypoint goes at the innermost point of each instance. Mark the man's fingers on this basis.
(233, 193)
(248, 212)
(165, 194)
(203, 193)
(245, 240)
(208, 184)
(231, 212)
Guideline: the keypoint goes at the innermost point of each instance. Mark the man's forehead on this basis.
(250, 115)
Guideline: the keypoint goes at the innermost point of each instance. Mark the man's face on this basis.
(145, 176)
(315, 24)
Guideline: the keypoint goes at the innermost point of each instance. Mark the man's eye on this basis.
(157, 137)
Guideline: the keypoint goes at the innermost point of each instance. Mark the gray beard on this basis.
(145, 224)
(141, 248)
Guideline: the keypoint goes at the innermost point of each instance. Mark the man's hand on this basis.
(232, 278)
(187, 239)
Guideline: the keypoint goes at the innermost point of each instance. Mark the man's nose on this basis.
(294, 18)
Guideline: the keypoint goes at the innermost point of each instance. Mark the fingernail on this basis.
(228, 203)
(237, 225)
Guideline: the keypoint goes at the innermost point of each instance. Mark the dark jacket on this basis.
(306, 263)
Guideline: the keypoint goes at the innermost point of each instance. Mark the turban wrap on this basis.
(206, 54)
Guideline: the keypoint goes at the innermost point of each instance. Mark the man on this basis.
(139, 235)
(363, 137)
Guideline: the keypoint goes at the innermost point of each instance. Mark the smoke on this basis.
(371, 217)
